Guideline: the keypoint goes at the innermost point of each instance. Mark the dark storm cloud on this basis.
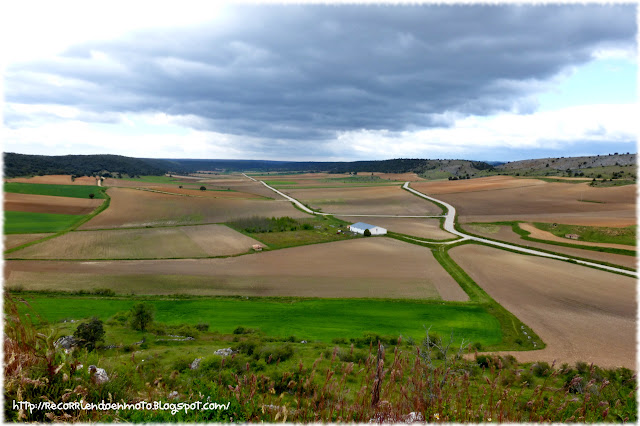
(305, 72)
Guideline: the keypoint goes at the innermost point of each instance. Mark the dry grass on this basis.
(179, 242)
(391, 200)
(130, 207)
(15, 240)
(49, 204)
(505, 233)
(57, 180)
(372, 267)
(494, 200)
(582, 314)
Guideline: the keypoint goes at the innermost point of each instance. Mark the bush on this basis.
(541, 369)
(243, 330)
(90, 333)
(141, 316)
(367, 233)
(203, 188)
(202, 327)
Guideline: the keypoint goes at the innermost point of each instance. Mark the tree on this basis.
(92, 195)
(367, 233)
(89, 333)
(202, 188)
(141, 316)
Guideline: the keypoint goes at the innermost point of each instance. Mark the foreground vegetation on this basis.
(263, 378)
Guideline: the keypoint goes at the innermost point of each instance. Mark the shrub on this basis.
(367, 233)
(541, 369)
(141, 316)
(243, 330)
(202, 327)
(90, 333)
(203, 188)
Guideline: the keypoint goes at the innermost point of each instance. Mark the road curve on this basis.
(449, 226)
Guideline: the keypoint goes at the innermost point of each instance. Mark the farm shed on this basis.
(572, 236)
(361, 226)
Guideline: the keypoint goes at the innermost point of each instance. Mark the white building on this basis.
(361, 226)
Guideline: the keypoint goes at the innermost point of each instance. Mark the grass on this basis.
(595, 234)
(74, 191)
(308, 319)
(34, 223)
(293, 232)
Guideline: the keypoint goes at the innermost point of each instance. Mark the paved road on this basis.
(449, 226)
(245, 175)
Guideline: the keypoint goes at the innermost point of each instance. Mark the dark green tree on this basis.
(92, 195)
(90, 333)
(367, 233)
(202, 188)
(141, 316)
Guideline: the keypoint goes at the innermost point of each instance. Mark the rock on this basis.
(98, 375)
(195, 364)
(223, 352)
(66, 342)
(173, 394)
(413, 417)
(303, 341)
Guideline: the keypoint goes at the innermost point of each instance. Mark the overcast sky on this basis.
(319, 82)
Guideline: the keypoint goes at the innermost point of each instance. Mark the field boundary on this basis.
(102, 207)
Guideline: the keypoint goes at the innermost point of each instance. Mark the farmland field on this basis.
(56, 180)
(418, 227)
(391, 200)
(505, 233)
(31, 223)
(15, 240)
(132, 208)
(582, 314)
(375, 267)
(176, 242)
(75, 191)
(606, 237)
(49, 204)
(532, 200)
(313, 320)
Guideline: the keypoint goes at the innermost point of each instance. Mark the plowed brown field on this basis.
(207, 193)
(391, 200)
(582, 314)
(49, 204)
(57, 180)
(373, 267)
(505, 233)
(177, 242)
(493, 200)
(131, 207)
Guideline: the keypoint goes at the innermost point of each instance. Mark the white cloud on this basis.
(540, 130)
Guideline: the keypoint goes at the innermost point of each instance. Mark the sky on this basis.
(318, 82)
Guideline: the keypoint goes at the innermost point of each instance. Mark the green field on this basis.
(74, 191)
(31, 223)
(595, 234)
(309, 319)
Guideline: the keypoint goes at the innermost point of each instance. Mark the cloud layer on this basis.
(316, 80)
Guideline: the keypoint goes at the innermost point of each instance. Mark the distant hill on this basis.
(569, 163)
(82, 165)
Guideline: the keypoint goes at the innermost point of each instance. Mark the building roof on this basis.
(362, 225)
